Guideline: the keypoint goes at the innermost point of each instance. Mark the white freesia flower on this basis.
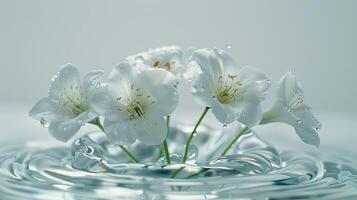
(134, 104)
(170, 58)
(233, 93)
(290, 108)
(66, 108)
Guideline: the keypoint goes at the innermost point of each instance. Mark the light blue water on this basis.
(94, 169)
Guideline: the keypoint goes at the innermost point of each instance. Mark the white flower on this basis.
(170, 58)
(233, 93)
(290, 108)
(134, 104)
(66, 108)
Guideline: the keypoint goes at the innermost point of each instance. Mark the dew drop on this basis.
(44, 122)
(299, 122)
(224, 125)
(229, 45)
(176, 84)
(194, 134)
(269, 81)
(317, 128)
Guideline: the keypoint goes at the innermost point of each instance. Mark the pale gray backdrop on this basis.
(317, 39)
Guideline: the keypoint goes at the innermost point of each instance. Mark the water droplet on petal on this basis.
(176, 84)
(299, 122)
(224, 125)
(269, 81)
(44, 122)
(229, 45)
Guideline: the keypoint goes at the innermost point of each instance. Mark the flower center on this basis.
(137, 103)
(74, 99)
(162, 64)
(229, 89)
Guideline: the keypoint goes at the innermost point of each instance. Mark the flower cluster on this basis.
(136, 100)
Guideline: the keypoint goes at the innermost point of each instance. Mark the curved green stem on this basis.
(192, 134)
(96, 122)
(239, 134)
(132, 157)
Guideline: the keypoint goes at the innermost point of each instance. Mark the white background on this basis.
(317, 39)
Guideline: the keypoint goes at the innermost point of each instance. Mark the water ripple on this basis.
(253, 172)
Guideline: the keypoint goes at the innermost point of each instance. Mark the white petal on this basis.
(221, 60)
(307, 126)
(151, 130)
(202, 90)
(308, 136)
(67, 76)
(102, 102)
(151, 78)
(202, 57)
(121, 79)
(251, 113)
(64, 131)
(166, 100)
(119, 132)
(288, 86)
(224, 112)
(49, 110)
(92, 80)
(254, 81)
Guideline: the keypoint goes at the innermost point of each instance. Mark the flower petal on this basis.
(151, 78)
(102, 102)
(219, 59)
(64, 131)
(251, 113)
(202, 57)
(202, 90)
(66, 78)
(151, 130)
(49, 110)
(254, 81)
(119, 132)
(308, 136)
(166, 100)
(224, 112)
(288, 87)
(92, 80)
(121, 79)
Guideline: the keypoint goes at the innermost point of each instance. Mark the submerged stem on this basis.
(193, 133)
(239, 134)
(96, 122)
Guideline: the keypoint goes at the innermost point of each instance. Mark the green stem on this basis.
(177, 172)
(165, 146)
(132, 157)
(167, 154)
(193, 133)
(160, 153)
(100, 126)
(239, 134)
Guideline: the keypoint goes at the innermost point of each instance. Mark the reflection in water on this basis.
(93, 169)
